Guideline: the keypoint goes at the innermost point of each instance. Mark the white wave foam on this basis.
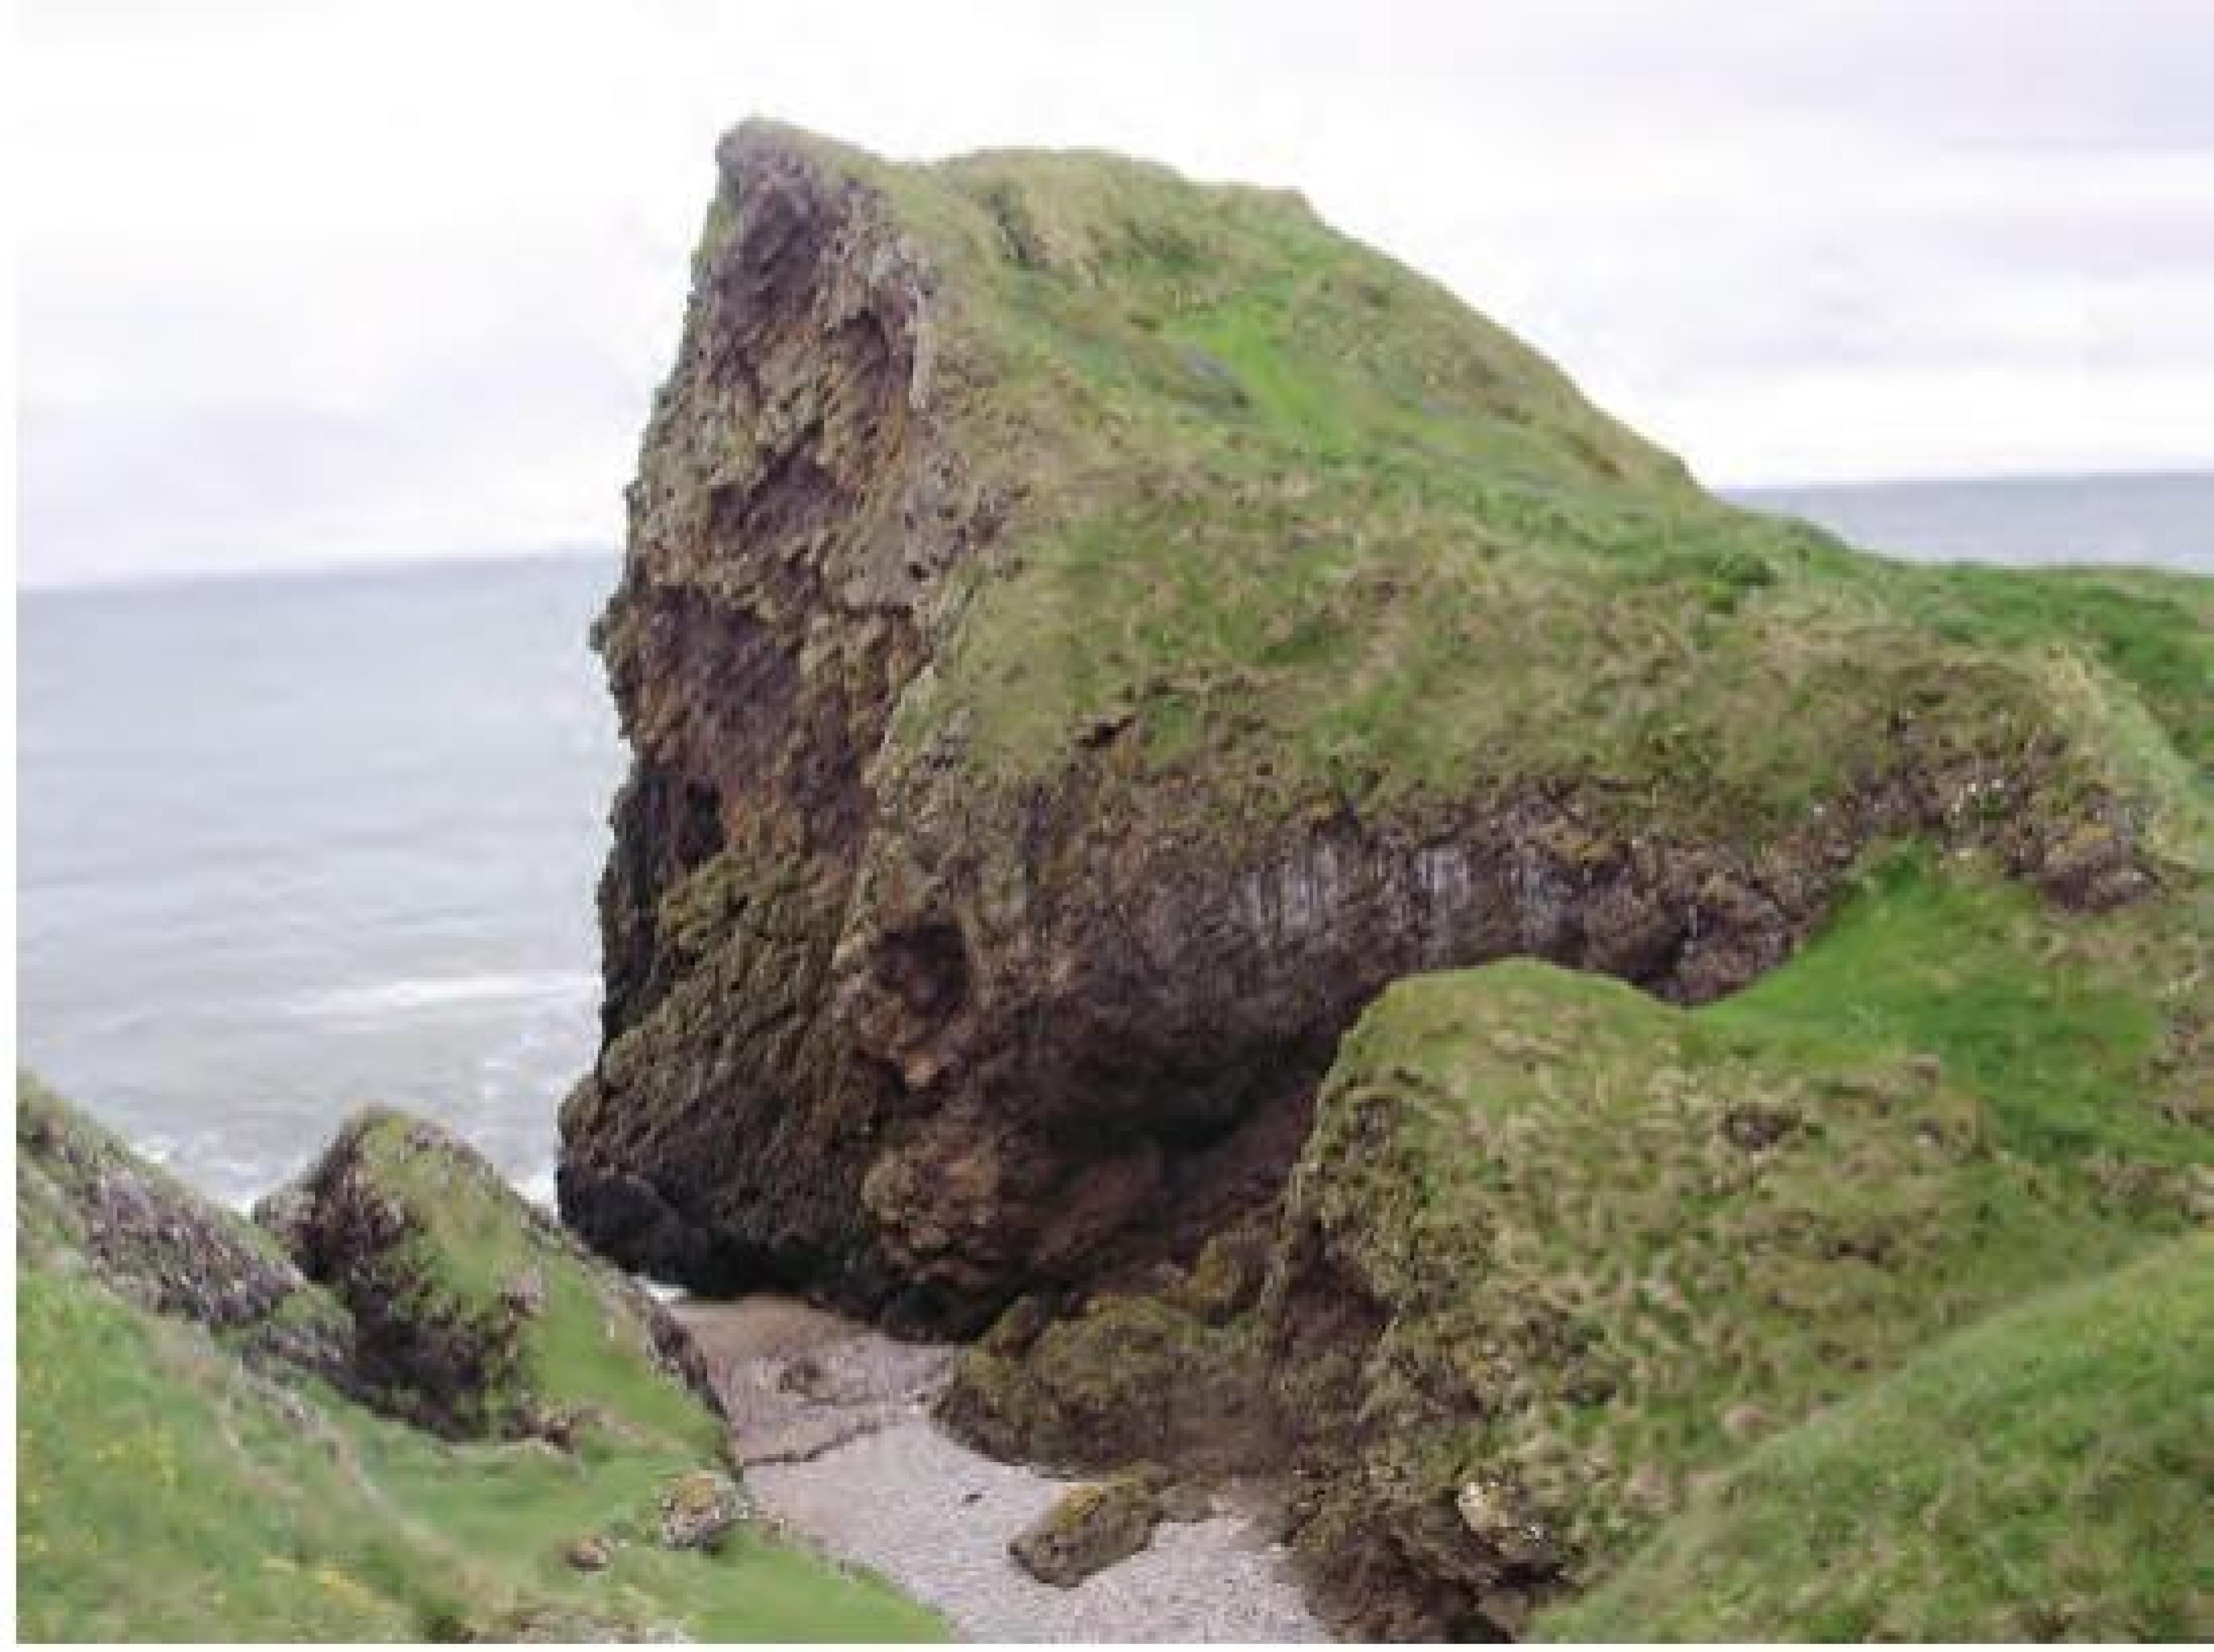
(538, 1188)
(443, 992)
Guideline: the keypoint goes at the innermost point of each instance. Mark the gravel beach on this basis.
(831, 1423)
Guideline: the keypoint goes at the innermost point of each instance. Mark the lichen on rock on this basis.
(698, 1509)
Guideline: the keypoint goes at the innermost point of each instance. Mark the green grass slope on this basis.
(1315, 529)
(2045, 1474)
(167, 1490)
(1602, 1245)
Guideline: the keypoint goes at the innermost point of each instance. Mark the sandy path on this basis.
(830, 1422)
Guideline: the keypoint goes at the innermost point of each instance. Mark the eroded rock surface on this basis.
(1043, 748)
(1083, 637)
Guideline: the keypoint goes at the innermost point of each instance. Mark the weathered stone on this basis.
(588, 1554)
(1089, 1529)
(698, 1509)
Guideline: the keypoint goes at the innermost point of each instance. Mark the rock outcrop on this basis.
(84, 1200)
(1083, 634)
(455, 1285)
(199, 1456)
(1086, 636)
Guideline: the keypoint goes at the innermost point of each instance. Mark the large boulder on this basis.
(473, 1312)
(1083, 633)
(1556, 1255)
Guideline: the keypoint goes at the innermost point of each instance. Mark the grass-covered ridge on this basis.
(2043, 1475)
(1604, 1245)
(168, 1491)
(164, 1493)
(1312, 527)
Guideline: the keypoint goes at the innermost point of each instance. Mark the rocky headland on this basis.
(1266, 979)
(1204, 822)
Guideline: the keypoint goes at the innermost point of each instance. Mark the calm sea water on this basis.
(290, 845)
(2167, 520)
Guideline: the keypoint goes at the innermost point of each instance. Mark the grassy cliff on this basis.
(1192, 796)
(1283, 503)
(2042, 1475)
(173, 1484)
(1557, 1256)
(1084, 633)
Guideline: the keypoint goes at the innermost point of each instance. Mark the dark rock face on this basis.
(834, 1057)
(791, 512)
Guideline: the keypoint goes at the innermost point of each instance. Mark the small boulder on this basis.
(1089, 1529)
(698, 1509)
(1494, 1514)
(589, 1554)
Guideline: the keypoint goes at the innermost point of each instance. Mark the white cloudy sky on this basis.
(313, 279)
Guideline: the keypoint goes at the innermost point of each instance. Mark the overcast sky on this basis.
(305, 280)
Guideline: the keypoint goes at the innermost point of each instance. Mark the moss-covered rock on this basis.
(1089, 1529)
(183, 1475)
(473, 1313)
(1128, 1380)
(1556, 1254)
(1083, 633)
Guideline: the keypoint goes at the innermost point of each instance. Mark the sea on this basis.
(289, 845)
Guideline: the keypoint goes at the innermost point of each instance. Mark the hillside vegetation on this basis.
(1597, 1247)
(2042, 1475)
(180, 1479)
(1289, 506)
